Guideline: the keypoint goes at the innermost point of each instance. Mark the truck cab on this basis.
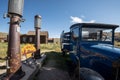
(93, 45)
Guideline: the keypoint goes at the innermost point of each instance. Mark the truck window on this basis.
(75, 33)
(96, 34)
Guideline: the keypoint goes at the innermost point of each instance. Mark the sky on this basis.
(59, 15)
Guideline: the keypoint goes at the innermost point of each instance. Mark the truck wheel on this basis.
(86, 74)
(76, 74)
(89, 74)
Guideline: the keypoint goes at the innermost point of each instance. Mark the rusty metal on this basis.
(15, 7)
(37, 37)
(14, 57)
(14, 46)
(14, 68)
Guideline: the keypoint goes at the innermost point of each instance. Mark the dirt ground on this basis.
(53, 69)
(50, 72)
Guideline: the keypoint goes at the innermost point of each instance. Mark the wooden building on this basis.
(54, 40)
(3, 37)
(30, 37)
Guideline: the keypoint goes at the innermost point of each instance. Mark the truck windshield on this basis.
(96, 34)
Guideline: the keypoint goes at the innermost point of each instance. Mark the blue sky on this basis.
(58, 15)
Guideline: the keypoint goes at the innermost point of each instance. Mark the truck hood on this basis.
(104, 49)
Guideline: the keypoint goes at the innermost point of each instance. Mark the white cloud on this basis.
(76, 19)
(80, 20)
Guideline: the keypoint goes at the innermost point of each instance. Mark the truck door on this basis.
(75, 44)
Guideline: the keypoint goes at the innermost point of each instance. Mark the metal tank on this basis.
(15, 7)
(37, 21)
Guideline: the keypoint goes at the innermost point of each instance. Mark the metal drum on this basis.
(37, 21)
(15, 7)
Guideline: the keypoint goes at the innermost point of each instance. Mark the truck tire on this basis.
(86, 74)
(89, 74)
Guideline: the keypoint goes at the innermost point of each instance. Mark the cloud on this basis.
(76, 19)
(80, 20)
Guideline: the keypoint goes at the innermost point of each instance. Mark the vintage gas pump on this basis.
(14, 68)
(37, 25)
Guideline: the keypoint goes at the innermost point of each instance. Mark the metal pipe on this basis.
(37, 36)
(14, 68)
(14, 57)
(14, 45)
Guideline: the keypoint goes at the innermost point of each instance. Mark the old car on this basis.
(92, 47)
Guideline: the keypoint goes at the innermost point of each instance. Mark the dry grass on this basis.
(50, 46)
(117, 44)
(53, 47)
(44, 47)
(3, 49)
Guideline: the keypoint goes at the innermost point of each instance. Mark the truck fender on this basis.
(89, 74)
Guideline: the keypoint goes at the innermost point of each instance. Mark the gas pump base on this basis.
(37, 54)
(30, 68)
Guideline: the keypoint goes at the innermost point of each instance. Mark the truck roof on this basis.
(95, 25)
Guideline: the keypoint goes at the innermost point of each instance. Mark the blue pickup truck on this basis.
(91, 47)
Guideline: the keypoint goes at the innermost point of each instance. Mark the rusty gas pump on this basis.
(37, 25)
(14, 68)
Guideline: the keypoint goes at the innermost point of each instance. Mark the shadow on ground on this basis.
(56, 67)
